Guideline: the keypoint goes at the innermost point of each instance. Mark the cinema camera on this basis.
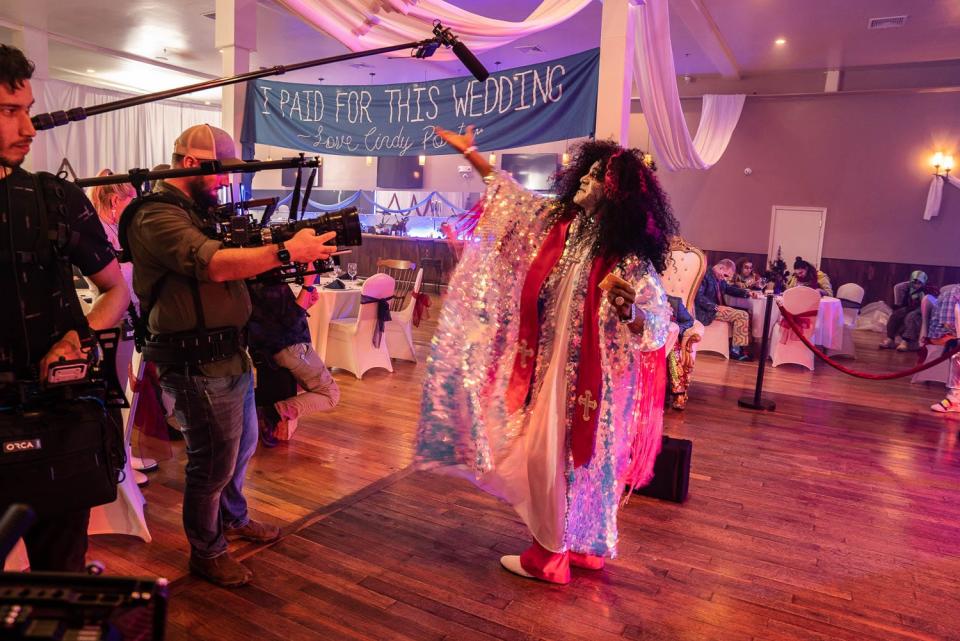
(235, 226)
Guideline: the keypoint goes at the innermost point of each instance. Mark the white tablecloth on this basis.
(333, 304)
(827, 331)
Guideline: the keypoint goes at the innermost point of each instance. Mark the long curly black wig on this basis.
(634, 214)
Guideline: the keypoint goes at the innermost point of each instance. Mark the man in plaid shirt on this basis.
(942, 328)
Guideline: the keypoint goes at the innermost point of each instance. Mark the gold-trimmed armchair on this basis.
(685, 270)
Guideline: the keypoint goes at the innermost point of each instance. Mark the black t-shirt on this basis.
(93, 252)
(90, 252)
(277, 321)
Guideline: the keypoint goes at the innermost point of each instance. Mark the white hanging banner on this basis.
(935, 194)
(656, 78)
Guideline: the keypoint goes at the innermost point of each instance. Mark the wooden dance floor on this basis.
(835, 518)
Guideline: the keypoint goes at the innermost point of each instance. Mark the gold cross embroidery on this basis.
(588, 404)
(525, 353)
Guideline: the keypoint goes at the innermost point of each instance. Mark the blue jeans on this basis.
(219, 420)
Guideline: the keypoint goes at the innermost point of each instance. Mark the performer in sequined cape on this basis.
(525, 456)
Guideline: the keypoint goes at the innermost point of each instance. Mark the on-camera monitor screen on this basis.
(533, 171)
(399, 172)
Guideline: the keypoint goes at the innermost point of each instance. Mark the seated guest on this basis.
(746, 277)
(710, 306)
(941, 329)
(906, 318)
(809, 276)
(282, 350)
(679, 367)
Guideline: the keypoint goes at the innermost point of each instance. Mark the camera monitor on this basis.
(399, 172)
(533, 171)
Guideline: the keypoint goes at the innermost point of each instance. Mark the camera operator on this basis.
(195, 304)
(50, 438)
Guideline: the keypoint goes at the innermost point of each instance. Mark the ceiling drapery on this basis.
(369, 24)
(656, 80)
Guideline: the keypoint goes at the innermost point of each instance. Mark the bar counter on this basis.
(438, 257)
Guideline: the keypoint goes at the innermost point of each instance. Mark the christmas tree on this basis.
(777, 272)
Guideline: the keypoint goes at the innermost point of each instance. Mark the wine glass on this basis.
(352, 270)
(337, 271)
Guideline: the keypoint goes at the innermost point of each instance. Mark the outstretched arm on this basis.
(465, 143)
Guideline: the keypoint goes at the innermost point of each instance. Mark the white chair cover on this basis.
(851, 292)
(716, 339)
(350, 340)
(399, 331)
(797, 300)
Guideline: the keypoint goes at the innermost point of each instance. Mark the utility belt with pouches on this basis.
(196, 347)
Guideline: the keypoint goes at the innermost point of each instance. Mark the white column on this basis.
(236, 37)
(616, 71)
(35, 45)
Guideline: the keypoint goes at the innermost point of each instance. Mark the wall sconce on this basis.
(492, 159)
(648, 159)
(565, 159)
(422, 159)
(369, 161)
(942, 164)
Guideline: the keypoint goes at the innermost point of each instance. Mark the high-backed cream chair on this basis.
(681, 278)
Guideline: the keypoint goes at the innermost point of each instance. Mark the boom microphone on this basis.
(460, 51)
(470, 61)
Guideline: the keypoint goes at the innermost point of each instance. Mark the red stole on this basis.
(589, 380)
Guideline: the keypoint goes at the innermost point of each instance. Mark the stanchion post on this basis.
(757, 402)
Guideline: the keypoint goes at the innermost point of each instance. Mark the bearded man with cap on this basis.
(195, 305)
(906, 319)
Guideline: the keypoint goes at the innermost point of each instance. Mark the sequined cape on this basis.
(464, 422)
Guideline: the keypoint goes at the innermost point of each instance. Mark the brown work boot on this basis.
(223, 570)
(254, 531)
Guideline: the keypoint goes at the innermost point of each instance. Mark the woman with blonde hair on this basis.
(110, 201)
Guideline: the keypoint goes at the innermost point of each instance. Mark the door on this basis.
(797, 231)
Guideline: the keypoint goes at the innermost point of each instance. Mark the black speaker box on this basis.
(671, 471)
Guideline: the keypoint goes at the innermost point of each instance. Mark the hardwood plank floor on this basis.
(833, 518)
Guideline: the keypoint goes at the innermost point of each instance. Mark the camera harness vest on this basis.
(194, 347)
(34, 257)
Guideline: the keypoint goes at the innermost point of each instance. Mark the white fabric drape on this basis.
(656, 79)
(140, 136)
(935, 194)
(366, 24)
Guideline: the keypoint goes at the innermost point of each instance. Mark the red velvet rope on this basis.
(837, 366)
